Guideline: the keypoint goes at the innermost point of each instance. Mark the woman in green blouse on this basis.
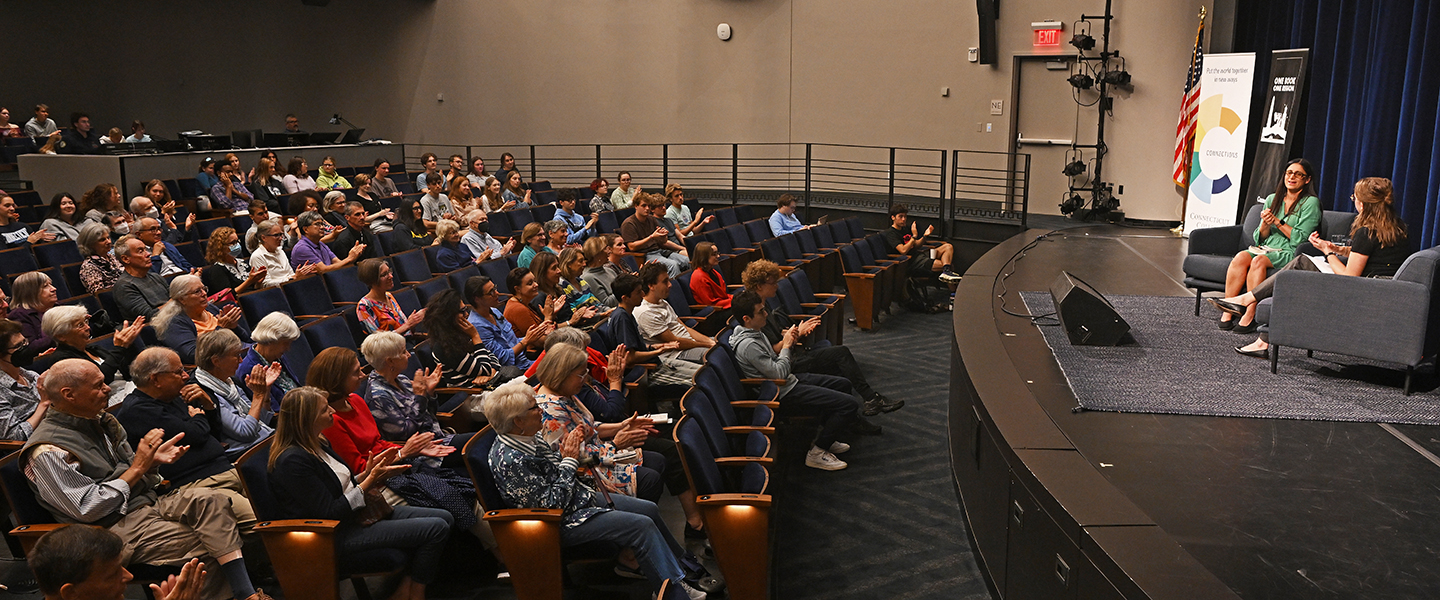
(1290, 215)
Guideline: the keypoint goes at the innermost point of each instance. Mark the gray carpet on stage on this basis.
(1184, 364)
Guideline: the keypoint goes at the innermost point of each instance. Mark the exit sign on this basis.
(1047, 33)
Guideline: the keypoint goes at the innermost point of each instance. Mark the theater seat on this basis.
(737, 516)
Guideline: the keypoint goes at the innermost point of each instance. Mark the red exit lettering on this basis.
(1047, 37)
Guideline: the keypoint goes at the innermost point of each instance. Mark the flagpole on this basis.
(1179, 230)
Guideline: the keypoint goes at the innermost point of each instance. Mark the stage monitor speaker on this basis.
(1088, 318)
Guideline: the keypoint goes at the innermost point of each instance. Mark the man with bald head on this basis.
(139, 291)
(167, 399)
(83, 470)
(165, 258)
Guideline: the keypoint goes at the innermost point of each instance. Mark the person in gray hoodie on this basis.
(830, 398)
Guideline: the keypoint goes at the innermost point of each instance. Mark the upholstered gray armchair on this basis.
(1390, 320)
(1211, 249)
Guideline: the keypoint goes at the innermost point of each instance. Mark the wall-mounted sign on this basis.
(1047, 33)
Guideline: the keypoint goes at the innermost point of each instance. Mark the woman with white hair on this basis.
(69, 326)
(531, 473)
(20, 405)
(453, 254)
(189, 314)
(100, 269)
(401, 405)
(34, 295)
(273, 336)
(266, 252)
(244, 421)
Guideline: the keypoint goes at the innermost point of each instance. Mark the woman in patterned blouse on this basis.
(403, 407)
(378, 310)
(20, 406)
(100, 270)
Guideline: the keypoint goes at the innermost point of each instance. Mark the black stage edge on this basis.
(1065, 504)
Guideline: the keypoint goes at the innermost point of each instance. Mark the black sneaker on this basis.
(872, 407)
(692, 533)
(863, 426)
(885, 404)
(949, 276)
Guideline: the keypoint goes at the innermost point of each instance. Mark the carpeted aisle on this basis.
(890, 526)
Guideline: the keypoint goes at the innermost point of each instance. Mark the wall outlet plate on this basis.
(945, 92)
(997, 107)
(974, 54)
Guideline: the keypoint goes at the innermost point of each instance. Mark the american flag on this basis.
(1189, 106)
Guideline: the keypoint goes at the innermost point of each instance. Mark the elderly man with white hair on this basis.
(478, 239)
(69, 326)
(165, 398)
(273, 336)
(139, 291)
(83, 470)
(530, 474)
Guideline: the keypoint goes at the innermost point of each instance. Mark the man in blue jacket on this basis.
(165, 258)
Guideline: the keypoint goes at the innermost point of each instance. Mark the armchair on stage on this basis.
(1391, 320)
(1211, 249)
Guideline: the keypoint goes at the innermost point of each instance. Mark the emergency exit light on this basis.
(1047, 33)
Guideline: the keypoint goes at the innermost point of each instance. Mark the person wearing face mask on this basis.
(478, 238)
(228, 268)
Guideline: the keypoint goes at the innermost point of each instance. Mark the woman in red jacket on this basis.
(706, 283)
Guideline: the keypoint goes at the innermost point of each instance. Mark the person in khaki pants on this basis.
(83, 470)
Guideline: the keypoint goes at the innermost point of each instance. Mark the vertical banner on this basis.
(1221, 125)
(1277, 123)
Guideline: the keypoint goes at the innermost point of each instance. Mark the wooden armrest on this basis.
(811, 254)
(861, 275)
(551, 515)
(8, 446)
(692, 321)
(404, 283)
(294, 525)
(829, 295)
(457, 390)
(35, 531)
(760, 380)
(739, 429)
(740, 461)
(346, 303)
(738, 287)
(813, 304)
(310, 316)
(755, 403)
(786, 268)
(762, 500)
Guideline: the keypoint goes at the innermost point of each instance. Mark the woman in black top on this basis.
(70, 327)
(456, 345)
(266, 183)
(310, 482)
(1378, 246)
(410, 230)
(228, 268)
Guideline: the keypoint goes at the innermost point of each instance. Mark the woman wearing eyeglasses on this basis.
(1290, 215)
(455, 343)
(624, 195)
(69, 326)
(243, 419)
(266, 253)
(189, 313)
(329, 179)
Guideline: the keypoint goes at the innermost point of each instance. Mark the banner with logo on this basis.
(1278, 122)
(1221, 125)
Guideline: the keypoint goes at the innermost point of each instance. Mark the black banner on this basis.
(1277, 121)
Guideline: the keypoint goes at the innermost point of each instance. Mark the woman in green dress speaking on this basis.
(1290, 215)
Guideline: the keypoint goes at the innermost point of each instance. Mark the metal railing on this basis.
(952, 185)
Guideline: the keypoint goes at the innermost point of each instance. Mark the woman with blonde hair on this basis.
(267, 184)
(311, 482)
(189, 313)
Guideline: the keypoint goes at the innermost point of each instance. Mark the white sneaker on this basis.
(693, 593)
(949, 276)
(838, 447)
(820, 459)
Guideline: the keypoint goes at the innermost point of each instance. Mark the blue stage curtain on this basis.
(1374, 95)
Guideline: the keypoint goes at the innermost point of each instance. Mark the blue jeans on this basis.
(677, 263)
(421, 532)
(635, 524)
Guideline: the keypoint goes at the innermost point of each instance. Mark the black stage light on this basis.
(1083, 41)
(1074, 168)
(1081, 81)
(1121, 77)
(1106, 202)
(1072, 204)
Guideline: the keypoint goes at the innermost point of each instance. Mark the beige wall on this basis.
(603, 71)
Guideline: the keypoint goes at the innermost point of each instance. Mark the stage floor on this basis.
(1272, 508)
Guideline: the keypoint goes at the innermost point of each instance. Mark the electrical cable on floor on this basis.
(1015, 259)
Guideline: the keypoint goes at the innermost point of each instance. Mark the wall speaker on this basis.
(989, 12)
(1085, 314)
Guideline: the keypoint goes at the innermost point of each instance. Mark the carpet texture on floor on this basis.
(889, 526)
(1184, 364)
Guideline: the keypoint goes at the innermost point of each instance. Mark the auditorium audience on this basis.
(658, 322)
(830, 398)
(378, 310)
(259, 213)
(706, 282)
(329, 179)
(332, 209)
(514, 196)
(763, 277)
(62, 218)
(679, 214)
(567, 283)
(431, 171)
(267, 254)
(600, 202)
(461, 200)
(912, 243)
(228, 268)
(381, 182)
(189, 313)
(274, 164)
(101, 199)
(273, 336)
(269, 187)
(310, 251)
(34, 295)
(356, 233)
(580, 228)
(623, 196)
(69, 326)
(380, 219)
(478, 238)
(536, 242)
(137, 133)
(112, 137)
(139, 291)
(626, 332)
(456, 345)
(507, 166)
(13, 232)
(298, 177)
(78, 561)
(164, 398)
(452, 254)
(411, 230)
(21, 407)
(483, 298)
(585, 311)
(456, 171)
(8, 129)
(1379, 244)
(1291, 214)
(80, 138)
(238, 421)
(80, 452)
(647, 235)
(206, 176)
(233, 160)
(157, 204)
(530, 473)
(311, 481)
(783, 220)
(490, 198)
(100, 269)
(555, 234)
(435, 203)
(230, 193)
(599, 271)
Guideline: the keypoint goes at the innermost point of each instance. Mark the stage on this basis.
(1119, 505)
